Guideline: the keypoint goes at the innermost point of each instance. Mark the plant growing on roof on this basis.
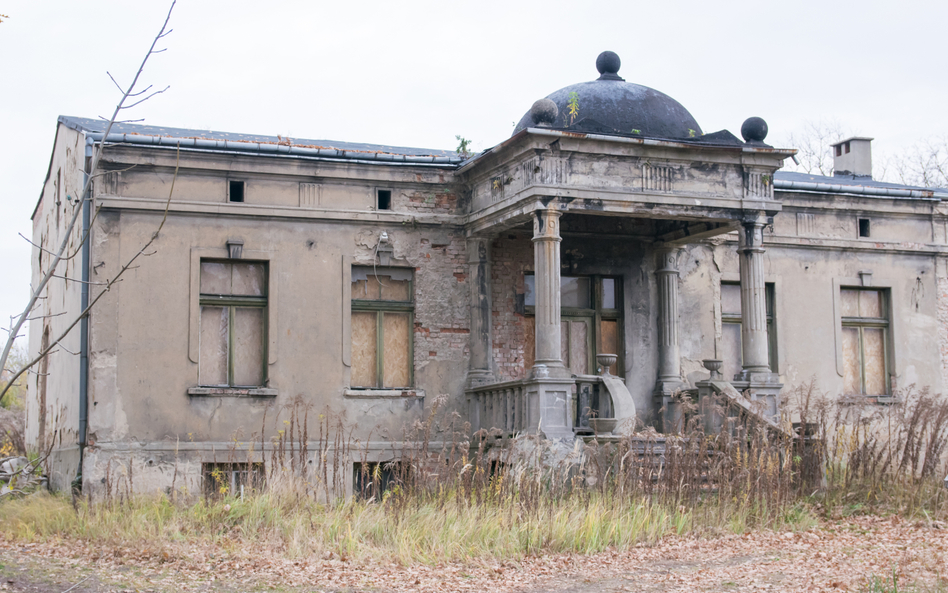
(464, 146)
(572, 107)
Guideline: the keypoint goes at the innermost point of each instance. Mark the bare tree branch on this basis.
(814, 144)
(85, 196)
(118, 276)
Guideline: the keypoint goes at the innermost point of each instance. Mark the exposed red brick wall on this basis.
(511, 256)
(432, 202)
(442, 301)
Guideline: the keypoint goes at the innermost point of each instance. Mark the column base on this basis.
(479, 378)
(548, 400)
(672, 416)
(552, 369)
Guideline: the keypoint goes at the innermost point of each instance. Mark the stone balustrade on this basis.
(502, 406)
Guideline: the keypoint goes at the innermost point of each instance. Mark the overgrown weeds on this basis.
(439, 493)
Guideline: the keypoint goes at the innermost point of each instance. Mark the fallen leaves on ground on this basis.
(836, 556)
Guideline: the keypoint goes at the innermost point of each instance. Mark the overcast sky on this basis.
(419, 73)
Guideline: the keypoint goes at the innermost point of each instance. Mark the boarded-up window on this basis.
(864, 341)
(731, 349)
(233, 324)
(382, 321)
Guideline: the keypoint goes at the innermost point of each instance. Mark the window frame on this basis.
(269, 257)
(862, 323)
(381, 307)
(232, 303)
(770, 294)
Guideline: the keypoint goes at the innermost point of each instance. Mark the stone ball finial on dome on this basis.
(608, 64)
(544, 112)
(754, 130)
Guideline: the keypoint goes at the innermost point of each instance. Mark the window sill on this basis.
(882, 400)
(383, 393)
(232, 392)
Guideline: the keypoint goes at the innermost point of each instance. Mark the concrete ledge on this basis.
(383, 393)
(232, 392)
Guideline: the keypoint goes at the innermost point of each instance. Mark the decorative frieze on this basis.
(657, 178)
(806, 224)
(309, 195)
(108, 184)
(758, 185)
(545, 171)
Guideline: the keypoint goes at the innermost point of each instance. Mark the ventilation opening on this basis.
(236, 193)
(863, 227)
(384, 199)
(231, 479)
(373, 479)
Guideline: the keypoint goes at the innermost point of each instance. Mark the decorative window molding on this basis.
(893, 331)
(221, 253)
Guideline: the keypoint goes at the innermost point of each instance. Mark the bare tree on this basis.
(130, 98)
(925, 164)
(814, 143)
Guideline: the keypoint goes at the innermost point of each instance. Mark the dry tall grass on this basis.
(447, 495)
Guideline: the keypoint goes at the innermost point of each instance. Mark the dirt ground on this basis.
(836, 556)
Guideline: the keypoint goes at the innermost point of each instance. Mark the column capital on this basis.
(546, 225)
(751, 234)
(666, 259)
(478, 250)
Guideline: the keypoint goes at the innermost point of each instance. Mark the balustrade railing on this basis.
(501, 406)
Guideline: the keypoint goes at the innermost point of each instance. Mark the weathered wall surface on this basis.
(52, 414)
(313, 221)
(814, 249)
(142, 360)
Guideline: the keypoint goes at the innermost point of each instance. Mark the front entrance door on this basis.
(590, 322)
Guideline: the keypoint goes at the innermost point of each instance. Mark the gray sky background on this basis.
(418, 73)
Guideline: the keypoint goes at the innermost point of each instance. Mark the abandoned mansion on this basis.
(607, 256)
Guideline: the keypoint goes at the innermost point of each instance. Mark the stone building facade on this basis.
(362, 281)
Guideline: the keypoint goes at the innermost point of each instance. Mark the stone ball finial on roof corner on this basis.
(754, 129)
(608, 64)
(544, 112)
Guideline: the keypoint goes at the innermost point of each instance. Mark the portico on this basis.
(653, 196)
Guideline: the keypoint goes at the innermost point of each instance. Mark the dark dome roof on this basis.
(611, 105)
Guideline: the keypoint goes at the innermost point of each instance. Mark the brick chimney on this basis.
(853, 157)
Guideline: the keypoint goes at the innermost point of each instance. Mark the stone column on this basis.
(546, 261)
(547, 391)
(753, 297)
(669, 360)
(478, 261)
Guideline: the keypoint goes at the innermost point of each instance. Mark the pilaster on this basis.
(478, 261)
(669, 358)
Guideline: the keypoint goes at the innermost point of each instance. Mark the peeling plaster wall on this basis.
(809, 254)
(312, 221)
(140, 369)
(58, 307)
